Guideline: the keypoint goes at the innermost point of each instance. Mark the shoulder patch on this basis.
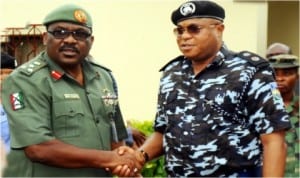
(253, 59)
(170, 62)
(32, 66)
(98, 65)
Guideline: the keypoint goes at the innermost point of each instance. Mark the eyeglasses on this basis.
(78, 34)
(191, 29)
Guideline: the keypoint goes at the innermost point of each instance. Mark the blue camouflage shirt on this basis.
(213, 119)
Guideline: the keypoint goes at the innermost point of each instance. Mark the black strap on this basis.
(114, 83)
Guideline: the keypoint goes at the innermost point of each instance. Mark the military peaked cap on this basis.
(284, 61)
(69, 13)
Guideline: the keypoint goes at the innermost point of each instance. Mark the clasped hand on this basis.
(127, 162)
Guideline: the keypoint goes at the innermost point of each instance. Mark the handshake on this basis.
(127, 162)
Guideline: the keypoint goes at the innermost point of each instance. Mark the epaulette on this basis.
(32, 66)
(98, 65)
(170, 62)
(253, 59)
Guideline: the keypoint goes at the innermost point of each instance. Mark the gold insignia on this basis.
(80, 16)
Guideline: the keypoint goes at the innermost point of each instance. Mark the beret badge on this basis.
(80, 16)
(187, 8)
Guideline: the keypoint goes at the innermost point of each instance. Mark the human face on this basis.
(286, 79)
(70, 50)
(199, 39)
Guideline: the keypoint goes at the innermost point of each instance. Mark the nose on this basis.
(279, 78)
(185, 34)
(70, 38)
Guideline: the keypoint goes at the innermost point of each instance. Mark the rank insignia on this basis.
(111, 101)
(109, 98)
(56, 75)
(275, 92)
(17, 101)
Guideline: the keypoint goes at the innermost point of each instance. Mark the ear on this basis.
(45, 38)
(92, 39)
(220, 28)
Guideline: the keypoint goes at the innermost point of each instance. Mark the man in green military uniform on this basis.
(286, 69)
(63, 110)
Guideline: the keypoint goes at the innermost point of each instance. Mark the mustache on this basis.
(68, 47)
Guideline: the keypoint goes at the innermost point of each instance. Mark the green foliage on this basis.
(153, 168)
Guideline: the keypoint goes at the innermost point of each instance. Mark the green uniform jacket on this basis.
(44, 103)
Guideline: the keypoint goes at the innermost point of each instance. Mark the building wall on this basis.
(283, 23)
(134, 38)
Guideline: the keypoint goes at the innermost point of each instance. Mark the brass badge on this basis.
(80, 16)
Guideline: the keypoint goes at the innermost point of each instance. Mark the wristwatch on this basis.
(145, 155)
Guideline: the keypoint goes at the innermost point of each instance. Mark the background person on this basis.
(63, 111)
(286, 68)
(8, 64)
(278, 48)
(206, 122)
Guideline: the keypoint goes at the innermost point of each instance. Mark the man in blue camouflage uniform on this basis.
(219, 113)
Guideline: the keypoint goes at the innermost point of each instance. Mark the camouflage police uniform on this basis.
(44, 103)
(211, 121)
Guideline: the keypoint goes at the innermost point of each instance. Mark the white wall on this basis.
(134, 38)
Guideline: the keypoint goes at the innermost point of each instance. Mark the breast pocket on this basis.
(169, 101)
(68, 115)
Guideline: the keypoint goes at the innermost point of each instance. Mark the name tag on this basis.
(71, 96)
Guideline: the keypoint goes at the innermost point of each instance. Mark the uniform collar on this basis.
(52, 65)
(220, 57)
(294, 105)
(217, 61)
(89, 72)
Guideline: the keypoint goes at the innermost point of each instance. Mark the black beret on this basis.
(198, 9)
(7, 61)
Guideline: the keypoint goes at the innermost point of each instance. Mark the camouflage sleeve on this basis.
(265, 105)
(160, 118)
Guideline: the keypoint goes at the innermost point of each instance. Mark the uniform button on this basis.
(2, 113)
(185, 133)
(97, 120)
